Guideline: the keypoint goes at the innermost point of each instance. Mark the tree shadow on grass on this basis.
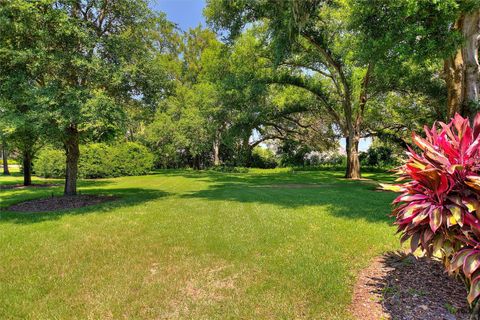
(42, 182)
(284, 176)
(344, 198)
(10, 196)
(126, 197)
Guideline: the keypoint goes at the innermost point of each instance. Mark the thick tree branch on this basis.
(325, 52)
(265, 138)
(287, 79)
(297, 122)
(363, 95)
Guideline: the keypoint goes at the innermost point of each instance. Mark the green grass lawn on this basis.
(268, 244)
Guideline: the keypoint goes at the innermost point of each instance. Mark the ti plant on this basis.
(439, 206)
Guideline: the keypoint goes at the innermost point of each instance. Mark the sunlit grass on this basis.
(275, 244)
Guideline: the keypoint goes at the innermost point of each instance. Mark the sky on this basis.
(363, 145)
(188, 14)
(185, 13)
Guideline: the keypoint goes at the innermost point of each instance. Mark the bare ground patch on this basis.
(203, 289)
(60, 203)
(398, 286)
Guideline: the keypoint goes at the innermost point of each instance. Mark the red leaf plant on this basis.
(439, 208)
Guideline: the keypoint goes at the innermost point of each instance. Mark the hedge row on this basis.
(97, 160)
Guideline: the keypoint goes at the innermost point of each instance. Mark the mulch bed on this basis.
(60, 203)
(401, 287)
(21, 186)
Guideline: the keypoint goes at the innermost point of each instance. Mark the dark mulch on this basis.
(60, 203)
(21, 186)
(398, 286)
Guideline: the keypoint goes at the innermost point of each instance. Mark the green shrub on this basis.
(263, 158)
(95, 161)
(230, 169)
(50, 163)
(378, 156)
(98, 160)
(131, 159)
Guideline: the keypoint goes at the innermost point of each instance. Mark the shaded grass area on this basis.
(195, 245)
(16, 177)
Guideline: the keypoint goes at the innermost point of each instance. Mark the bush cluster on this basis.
(50, 163)
(378, 156)
(263, 158)
(98, 160)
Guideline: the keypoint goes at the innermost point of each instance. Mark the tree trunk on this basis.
(72, 151)
(462, 70)
(246, 152)
(196, 162)
(453, 69)
(353, 161)
(6, 171)
(216, 151)
(471, 32)
(27, 169)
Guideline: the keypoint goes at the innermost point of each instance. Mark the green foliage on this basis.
(181, 131)
(378, 156)
(409, 41)
(50, 163)
(230, 169)
(82, 67)
(98, 160)
(428, 34)
(263, 158)
(130, 159)
(293, 153)
(84, 61)
(358, 60)
(187, 123)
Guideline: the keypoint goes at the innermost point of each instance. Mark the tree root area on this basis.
(60, 203)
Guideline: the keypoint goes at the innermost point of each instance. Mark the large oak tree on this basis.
(312, 45)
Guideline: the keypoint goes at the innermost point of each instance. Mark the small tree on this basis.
(439, 208)
(23, 69)
(6, 171)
